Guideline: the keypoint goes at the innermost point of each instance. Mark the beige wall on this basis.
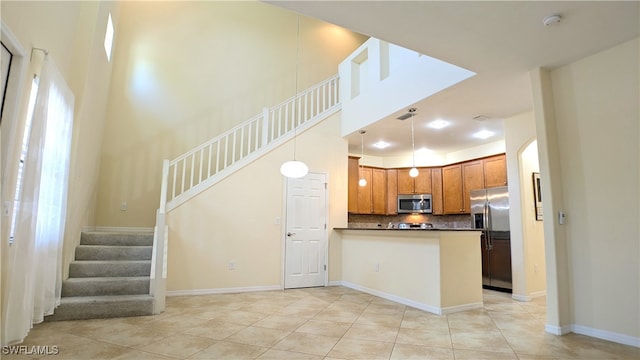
(597, 117)
(527, 238)
(73, 34)
(437, 271)
(533, 230)
(236, 219)
(186, 71)
(587, 124)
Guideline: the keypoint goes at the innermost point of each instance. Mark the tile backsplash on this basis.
(438, 221)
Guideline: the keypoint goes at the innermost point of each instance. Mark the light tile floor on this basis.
(320, 323)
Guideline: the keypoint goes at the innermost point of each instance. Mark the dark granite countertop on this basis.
(409, 229)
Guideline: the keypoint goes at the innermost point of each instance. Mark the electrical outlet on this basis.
(232, 265)
(5, 208)
(123, 206)
(377, 267)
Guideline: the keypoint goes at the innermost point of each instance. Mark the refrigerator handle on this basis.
(487, 226)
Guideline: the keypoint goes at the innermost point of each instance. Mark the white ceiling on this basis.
(500, 41)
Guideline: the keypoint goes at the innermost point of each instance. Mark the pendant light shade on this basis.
(362, 181)
(294, 168)
(414, 171)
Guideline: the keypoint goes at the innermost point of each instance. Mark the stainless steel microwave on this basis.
(419, 203)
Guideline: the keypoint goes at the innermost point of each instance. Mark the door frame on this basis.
(283, 229)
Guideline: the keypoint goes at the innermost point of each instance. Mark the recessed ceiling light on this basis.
(438, 124)
(381, 144)
(483, 134)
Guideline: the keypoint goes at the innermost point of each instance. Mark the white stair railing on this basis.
(203, 166)
(199, 168)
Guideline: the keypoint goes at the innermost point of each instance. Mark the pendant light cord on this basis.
(413, 143)
(297, 110)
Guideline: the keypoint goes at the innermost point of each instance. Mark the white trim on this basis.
(394, 298)
(523, 298)
(606, 335)
(335, 283)
(119, 229)
(223, 290)
(459, 308)
(557, 330)
(526, 298)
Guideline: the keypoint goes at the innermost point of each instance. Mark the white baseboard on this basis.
(526, 298)
(335, 283)
(606, 335)
(458, 308)
(557, 330)
(223, 290)
(118, 229)
(596, 333)
(418, 305)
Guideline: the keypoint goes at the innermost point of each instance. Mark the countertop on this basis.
(410, 229)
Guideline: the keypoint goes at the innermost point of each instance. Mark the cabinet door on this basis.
(405, 182)
(422, 182)
(392, 191)
(495, 171)
(472, 179)
(353, 174)
(364, 192)
(452, 189)
(378, 191)
(436, 191)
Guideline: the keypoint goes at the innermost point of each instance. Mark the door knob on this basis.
(290, 234)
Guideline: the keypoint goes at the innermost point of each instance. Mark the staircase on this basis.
(110, 277)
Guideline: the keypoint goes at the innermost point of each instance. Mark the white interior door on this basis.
(306, 233)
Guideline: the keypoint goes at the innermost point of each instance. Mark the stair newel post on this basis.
(157, 286)
(265, 126)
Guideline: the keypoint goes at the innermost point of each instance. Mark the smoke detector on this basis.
(551, 19)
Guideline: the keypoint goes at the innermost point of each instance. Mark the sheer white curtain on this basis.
(35, 278)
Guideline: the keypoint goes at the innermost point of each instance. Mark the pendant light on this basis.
(294, 168)
(362, 181)
(414, 171)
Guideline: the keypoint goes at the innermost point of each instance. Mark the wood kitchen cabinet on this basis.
(392, 191)
(371, 198)
(495, 171)
(421, 184)
(457, 182)
(436, 191)
(353, 177)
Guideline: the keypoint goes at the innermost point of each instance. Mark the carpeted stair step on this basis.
(116, 239)
(101, 307)
(106, 252)
(109, 268)
(102, 286)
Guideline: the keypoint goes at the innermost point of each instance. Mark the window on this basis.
(23, 156)
(108, 38)
(5, 59)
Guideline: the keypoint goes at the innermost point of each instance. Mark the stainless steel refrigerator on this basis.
(490, 213)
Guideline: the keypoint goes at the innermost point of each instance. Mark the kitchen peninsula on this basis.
(438, 271)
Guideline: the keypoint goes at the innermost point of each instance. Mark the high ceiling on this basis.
(500, 41)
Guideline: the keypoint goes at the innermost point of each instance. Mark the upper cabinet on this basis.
(450, 186)
(353, 176)
(495, 171)
(371, 198)
(421, 184)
